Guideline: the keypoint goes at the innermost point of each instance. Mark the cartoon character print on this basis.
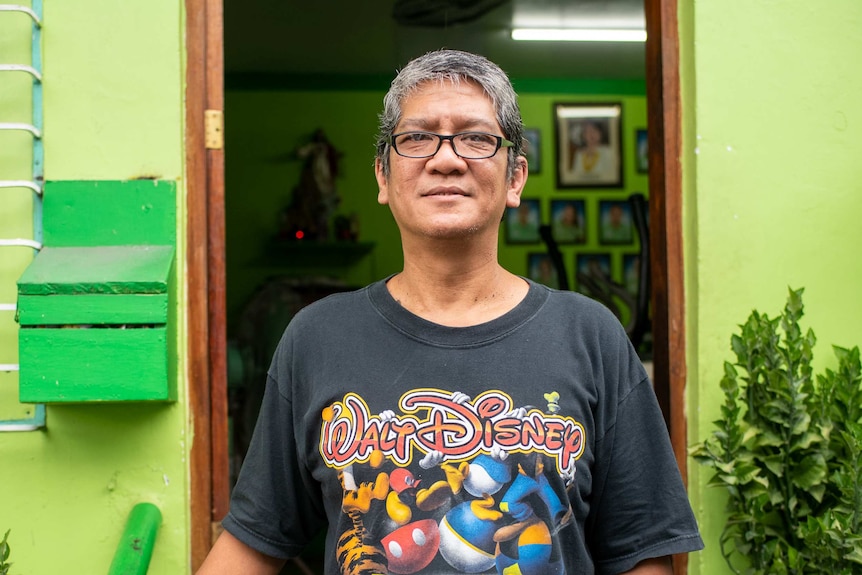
(468, 529)
(526, 545)
(494, 511)
(356, 552)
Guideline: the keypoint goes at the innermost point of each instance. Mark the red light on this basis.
(300, 234)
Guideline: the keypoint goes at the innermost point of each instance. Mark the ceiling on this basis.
(361, 37)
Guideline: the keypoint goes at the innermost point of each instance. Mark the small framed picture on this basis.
(522, 223)
(615, 222)
(592, 272)
(541, 269)
(632, 273)
(568, 221)
(641, 151)
(588, 145)
(533, 149)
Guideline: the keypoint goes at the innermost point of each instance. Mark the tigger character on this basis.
(355, 551)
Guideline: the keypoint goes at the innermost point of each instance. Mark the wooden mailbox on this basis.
(97, 325)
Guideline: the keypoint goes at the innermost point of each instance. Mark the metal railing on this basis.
(36, 416)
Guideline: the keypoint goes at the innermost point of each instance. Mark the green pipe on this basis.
(136, 546)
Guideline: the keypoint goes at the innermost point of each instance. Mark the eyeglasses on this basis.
(467, 145)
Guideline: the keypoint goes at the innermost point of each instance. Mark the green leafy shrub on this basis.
(4, 555)
(788, 450)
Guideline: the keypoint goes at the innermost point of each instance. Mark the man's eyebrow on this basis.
(417, 123)
(465, 125)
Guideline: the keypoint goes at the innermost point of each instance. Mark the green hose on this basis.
(136, 546)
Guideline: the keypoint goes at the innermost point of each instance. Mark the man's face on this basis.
(446, 196)
(592, 135)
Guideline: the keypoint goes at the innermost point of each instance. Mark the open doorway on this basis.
(254, 108)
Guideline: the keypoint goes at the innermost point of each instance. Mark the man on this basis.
(455, 417)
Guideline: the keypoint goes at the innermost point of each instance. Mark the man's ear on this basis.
(516, 183)
(382, 183)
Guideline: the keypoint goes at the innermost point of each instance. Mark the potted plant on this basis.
(787, 448)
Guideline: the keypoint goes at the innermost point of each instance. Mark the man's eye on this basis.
(418, 137)
(476, 138)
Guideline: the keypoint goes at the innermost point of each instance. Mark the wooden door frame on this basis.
(665, 201)
(664, 123)
(206, 334)
(205, 254)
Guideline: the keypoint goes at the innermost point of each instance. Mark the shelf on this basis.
(314, 254)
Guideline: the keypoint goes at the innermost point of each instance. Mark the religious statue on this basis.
(315, 198)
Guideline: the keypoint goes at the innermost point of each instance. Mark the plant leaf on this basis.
(810, 471)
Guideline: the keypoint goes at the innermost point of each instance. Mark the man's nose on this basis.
(449, 150)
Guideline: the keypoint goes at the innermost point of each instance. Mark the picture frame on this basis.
(588, 145)
(631, 273)
(533, 149)
(616, 225)
(590, 267)
(569, 221)
(641, 151)
(522, 223)
(541, 269)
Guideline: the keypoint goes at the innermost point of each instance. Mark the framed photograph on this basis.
(568, 221)
(631, 273)
(615, 222)
(592, 269)
(641, 151)
(522, 223)
(588, 145)
(533, 149)
(541, 269)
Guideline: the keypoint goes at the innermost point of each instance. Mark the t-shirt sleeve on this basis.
(275, 506)
(640, 507)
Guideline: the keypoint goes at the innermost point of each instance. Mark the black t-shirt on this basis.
(533, 439)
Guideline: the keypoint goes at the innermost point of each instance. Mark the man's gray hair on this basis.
(453, 66)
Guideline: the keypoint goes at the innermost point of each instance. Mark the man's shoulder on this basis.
(570, 298)
(580, 307)
(329, 316)
(339, 302)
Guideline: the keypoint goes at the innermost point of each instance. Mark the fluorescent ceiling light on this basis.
(589, 112)
(579, 35)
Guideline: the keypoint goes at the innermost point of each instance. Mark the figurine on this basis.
(315, 197)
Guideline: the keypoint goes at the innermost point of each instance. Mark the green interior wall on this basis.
(265, 125)
(113, 89)
(263, 129)
(772, 107)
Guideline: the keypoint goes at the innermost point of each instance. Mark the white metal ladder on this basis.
(36, 418)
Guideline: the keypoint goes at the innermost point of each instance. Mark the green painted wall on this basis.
(264, 126)
(113, 85)
(262, 130)
(773, 189)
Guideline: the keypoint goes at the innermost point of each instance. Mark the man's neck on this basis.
(456, 291)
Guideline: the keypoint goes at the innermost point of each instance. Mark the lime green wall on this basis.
(264, 127)
(773, 188)
(113, 89)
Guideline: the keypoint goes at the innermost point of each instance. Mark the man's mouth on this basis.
(445, 192)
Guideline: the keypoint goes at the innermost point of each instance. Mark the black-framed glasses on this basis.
(468, 145)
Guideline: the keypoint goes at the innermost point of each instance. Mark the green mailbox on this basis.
(96, 325)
